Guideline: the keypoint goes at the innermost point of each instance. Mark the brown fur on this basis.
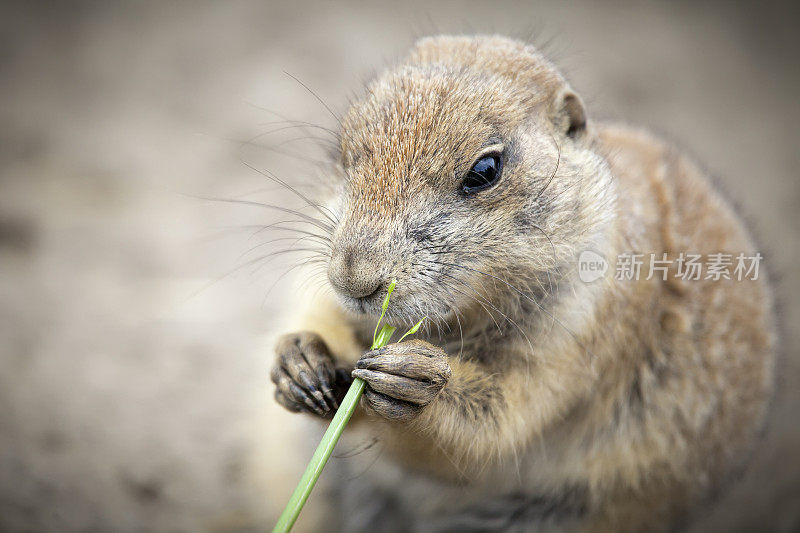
(615, 405)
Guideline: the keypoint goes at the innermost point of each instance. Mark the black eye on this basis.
(483, 174)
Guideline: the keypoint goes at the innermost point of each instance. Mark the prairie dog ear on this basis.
(570, 115)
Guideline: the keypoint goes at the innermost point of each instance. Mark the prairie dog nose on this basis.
(353, 272)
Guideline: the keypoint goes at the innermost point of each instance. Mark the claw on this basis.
(307, 382)
(300, 393)
(327, 390)
(364, 362)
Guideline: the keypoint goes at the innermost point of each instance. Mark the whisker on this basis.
(274, 283)
(272, 241)
(309, 219)
(292, 124)
(505, 316)
(216, 280)
(527, 297)
(555, 170)
(357, 450)
(277, 225)
(315, 95)
(423, 272)
(276, 179)
(269, 148)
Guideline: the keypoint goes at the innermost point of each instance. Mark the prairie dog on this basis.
(535, 400)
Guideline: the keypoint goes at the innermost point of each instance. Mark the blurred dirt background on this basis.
(132, 390)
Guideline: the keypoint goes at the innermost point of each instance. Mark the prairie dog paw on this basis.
(402, 378)
(304, 374)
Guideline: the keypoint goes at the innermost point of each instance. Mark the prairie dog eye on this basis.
(483, 174)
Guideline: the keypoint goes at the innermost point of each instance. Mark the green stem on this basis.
(320, 457)
(335, 429)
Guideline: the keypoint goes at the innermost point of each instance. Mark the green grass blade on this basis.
(340, 419)
(320, 457)
(413, 329)
(383, 337)
(384, 307)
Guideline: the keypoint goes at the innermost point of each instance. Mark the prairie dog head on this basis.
(469, 177)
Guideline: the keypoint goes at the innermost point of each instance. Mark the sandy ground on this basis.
(131, 390)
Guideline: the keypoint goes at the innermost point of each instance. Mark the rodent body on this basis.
(535, 401)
